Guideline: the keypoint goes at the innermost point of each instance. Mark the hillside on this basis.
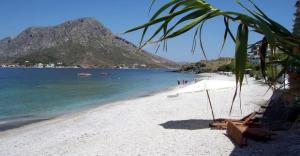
(85, 42)
(206, 66)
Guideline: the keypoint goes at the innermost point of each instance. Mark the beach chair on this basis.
(221, 123)
(258, 133)
(239, 133)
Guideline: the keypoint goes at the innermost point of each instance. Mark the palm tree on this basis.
(177, 17)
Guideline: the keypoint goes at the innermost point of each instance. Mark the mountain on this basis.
(85, 42)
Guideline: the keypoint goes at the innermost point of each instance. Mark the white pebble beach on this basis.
(169, 123)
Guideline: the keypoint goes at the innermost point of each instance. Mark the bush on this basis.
(226, 68)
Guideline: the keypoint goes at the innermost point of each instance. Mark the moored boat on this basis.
(84, 74)
(104, 74)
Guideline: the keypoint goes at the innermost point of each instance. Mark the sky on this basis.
(121, 15)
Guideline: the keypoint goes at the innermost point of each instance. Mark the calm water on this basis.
(40, 93)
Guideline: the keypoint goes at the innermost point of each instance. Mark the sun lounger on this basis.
(258, 134)
(239, 133)
(222, 123)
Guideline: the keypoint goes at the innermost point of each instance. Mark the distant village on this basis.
(28, 64)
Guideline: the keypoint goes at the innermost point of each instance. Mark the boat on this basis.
(104, 74)
(84, 74)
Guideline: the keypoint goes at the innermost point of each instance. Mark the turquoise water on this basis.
(44, 93)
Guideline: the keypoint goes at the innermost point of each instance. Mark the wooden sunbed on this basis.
(222, 123)
(239, 133)
(258, 134)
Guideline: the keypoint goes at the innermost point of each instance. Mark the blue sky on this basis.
(120, 15)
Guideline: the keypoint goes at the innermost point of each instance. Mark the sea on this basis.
(34, 94)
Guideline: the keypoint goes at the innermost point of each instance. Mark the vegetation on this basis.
(227, 68)
(180, 16)
(214, 65)
(206, 66)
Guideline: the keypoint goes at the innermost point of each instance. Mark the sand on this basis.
(169, 123)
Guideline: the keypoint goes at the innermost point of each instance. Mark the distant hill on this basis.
(206, 66)
(85, 42)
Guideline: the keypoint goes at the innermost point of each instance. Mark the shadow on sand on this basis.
(191, 124)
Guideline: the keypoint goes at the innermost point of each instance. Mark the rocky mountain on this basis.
(84, 42)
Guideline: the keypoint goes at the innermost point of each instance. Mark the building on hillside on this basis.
(254, 55)
(50, 65)
(39, 65)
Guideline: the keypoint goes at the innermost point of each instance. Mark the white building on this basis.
(50, 65)
(39, 65)
(254, 54)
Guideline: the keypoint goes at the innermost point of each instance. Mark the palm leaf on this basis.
(151, 5)
(262, 54)
(190, 25)
(200, 40)
(275, 24)
(227, 30)
(190, 16)
(177, 17)
(241, 57)
(263, 25)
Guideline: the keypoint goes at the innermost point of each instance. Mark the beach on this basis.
(173, 122)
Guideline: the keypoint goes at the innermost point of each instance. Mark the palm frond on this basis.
(177, 17)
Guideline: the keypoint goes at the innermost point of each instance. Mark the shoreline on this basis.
(23, 121)
(37, 122)
(7, 123)
(152, 125)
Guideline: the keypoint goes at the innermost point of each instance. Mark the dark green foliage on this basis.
(227, 68)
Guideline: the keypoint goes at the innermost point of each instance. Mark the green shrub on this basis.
(226, 68)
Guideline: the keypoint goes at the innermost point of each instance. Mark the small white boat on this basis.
(84, 74)
(104, 74)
